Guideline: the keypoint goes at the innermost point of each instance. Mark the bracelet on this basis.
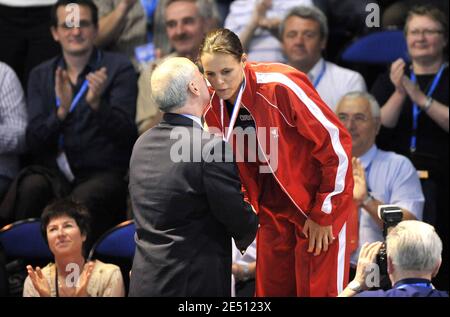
(427, 104)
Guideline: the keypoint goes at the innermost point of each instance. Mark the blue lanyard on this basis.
(75, 101)
(77, 98)
(322, 72)
(416, 109)
(83, 89)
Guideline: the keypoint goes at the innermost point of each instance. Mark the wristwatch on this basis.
(368, 199)
(355, 286)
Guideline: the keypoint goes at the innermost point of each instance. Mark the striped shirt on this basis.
(13, 118)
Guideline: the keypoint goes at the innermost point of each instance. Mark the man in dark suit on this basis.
(186, 196)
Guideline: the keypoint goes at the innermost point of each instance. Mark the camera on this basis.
(391, 215)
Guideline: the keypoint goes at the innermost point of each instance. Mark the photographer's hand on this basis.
(367, 257)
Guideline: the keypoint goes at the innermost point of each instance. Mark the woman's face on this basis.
(425, 38)
(224, 72)
(64, 236)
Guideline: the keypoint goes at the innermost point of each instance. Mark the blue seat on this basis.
(116, 242)
(23, 239)
(377, 48)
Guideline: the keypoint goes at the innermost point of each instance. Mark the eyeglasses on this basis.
(425, 32)
(83, 24)
(357, 118)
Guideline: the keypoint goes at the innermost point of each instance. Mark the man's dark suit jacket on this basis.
(186, 212)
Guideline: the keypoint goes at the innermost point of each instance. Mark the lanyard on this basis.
(77, 98)
(234, 115)
(83, 89)
(416, 109)
(75, 101)
(322, 72)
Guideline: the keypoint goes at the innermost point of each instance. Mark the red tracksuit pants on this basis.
(284, 267)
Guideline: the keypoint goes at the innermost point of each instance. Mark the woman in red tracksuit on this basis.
(297, 175)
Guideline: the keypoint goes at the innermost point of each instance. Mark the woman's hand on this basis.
(413, 90)
(396, 75)
(39, 281)
(81, 290)
(320, 237)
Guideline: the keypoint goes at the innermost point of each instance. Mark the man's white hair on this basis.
(170, 82)
(374, 105)
(414, 246)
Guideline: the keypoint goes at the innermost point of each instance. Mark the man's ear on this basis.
(377, 125)
(436, 269)
(193, 88)
(390, 266)
(54, 33)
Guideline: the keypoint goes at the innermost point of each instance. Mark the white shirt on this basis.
(391, 179)
(264, 47)
(335, 82)
(248, 257)
(194, 118)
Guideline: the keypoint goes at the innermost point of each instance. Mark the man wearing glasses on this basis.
(81, 110)
(380, 177)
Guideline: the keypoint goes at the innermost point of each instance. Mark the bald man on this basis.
(186, 196)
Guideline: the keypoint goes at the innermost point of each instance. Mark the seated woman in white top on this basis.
(65, 225)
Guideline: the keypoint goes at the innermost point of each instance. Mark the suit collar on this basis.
(178, 119)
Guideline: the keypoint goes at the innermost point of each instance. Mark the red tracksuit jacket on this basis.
(314, 148)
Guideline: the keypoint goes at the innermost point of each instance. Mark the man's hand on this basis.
(397, 73)
(97, 85)
(63, 91)
(360, 184)
(39, 281)
(367, 256)
(319, 236)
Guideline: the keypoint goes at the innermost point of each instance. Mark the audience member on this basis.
(304, 35)
(65, 226)
(415, 113)
(124, 27)
(80, 125)
(413, 259)
(186, 208)
(13, 119)
(25, 35)
(256, 23)
(379, 177)
(186, 23)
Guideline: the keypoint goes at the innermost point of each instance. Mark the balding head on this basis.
(177, 83)
(170, 82)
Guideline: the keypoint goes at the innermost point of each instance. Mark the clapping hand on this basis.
(39, 281)
(63, 91)
(97, 84)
